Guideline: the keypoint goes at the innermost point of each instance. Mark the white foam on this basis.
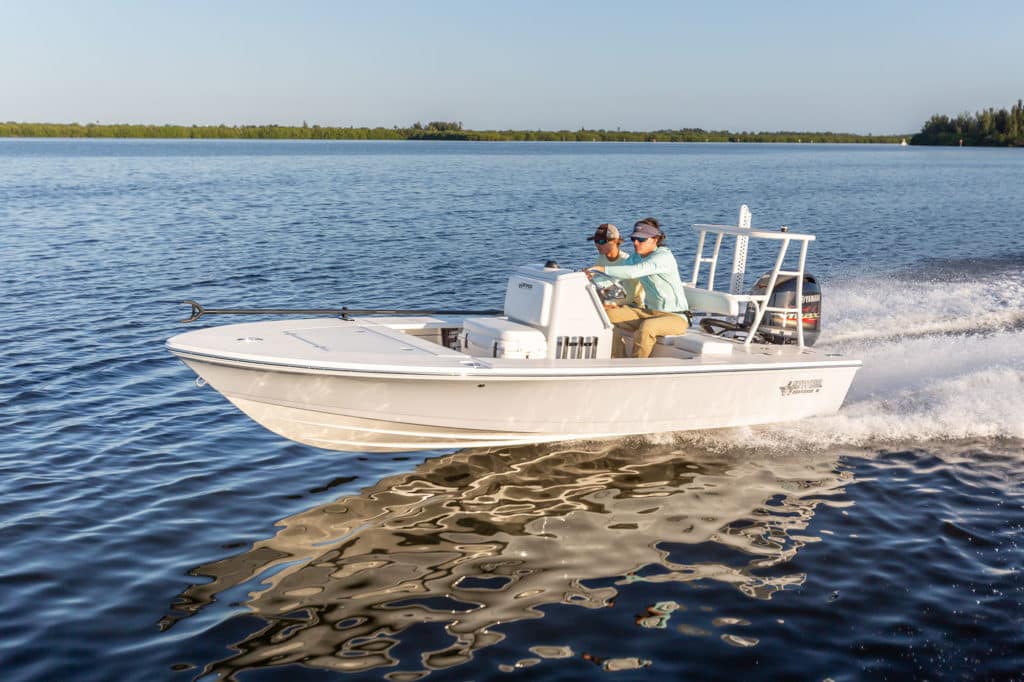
(943, 361)
(886, 308)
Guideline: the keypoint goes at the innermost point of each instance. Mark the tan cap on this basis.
(606, 232)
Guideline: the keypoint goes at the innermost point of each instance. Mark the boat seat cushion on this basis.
(716, 302)
(693, 342)
(698, 344)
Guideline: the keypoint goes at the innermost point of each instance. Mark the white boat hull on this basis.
(344, 409)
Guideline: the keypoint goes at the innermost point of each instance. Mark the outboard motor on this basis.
(781, 327)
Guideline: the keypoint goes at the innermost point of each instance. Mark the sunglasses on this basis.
(639, 239)
(601, 241)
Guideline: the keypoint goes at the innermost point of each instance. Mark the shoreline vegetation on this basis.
(987, 128)
(435, 130)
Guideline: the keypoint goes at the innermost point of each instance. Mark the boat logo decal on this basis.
(801, 386)
(525, 285)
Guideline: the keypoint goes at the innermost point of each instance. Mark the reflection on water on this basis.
(468, 542)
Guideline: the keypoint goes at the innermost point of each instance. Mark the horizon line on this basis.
(427, 129)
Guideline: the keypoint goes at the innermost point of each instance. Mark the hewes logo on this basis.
(801, 386)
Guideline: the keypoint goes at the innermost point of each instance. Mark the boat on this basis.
(539, 370)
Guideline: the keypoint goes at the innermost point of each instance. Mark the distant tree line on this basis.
(987, 128)
(248, 132)
(434, 130)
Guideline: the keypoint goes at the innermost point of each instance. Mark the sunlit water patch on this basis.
(675, 560)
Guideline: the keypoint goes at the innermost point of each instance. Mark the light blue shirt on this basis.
(658, 273)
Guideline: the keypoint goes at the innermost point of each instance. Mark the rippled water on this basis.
(150, 531)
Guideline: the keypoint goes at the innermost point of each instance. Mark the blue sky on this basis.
(865, 67)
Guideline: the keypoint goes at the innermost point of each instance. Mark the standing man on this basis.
(665, 311)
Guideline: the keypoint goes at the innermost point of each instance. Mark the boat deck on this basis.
(410, 345)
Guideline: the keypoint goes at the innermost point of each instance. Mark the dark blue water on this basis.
(150, 531)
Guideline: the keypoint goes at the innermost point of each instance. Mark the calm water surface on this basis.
(148, 530)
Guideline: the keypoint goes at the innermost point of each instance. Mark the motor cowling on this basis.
(781, 328)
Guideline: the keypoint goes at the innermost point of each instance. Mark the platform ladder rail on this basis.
(739, 256)
(760, 301)
(739, 260)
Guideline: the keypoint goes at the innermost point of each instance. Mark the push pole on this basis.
(344, 312)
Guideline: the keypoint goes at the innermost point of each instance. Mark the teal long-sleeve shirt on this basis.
(658, 273)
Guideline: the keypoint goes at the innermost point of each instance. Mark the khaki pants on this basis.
(646, 325)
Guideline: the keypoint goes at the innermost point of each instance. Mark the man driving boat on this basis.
(608, 243)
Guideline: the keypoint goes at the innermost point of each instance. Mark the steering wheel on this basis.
(608, 288)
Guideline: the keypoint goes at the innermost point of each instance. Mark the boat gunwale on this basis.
(481, 369)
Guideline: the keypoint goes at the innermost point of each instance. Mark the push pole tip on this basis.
(197, 311)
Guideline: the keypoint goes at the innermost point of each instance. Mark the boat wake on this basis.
(869, 311)
(942, 362)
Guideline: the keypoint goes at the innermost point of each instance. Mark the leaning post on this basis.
(739, 256)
